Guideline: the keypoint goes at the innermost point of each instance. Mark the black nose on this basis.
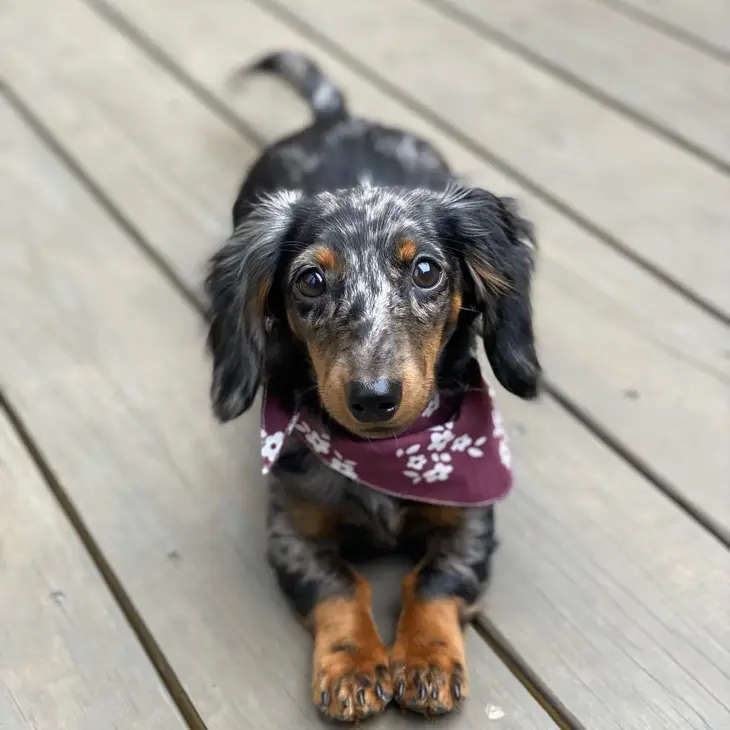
(372, 401)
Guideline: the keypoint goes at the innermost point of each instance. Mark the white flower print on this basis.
(302, 427)
(505, 456)
(318, 441)
(440, 436)
(432, 407)
(270, 447)
(414, 476)
(461, 443)
(498, 431)
(441, 469)
(342, 465)
(474, 451)
(417, 462)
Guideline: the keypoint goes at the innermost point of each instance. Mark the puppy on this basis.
(353, 288)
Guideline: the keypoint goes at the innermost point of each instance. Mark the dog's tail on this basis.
(307, 79)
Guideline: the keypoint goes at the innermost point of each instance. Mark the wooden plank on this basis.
(605, 588)
(106, 363)
(707, 21)
(68, 659)
(618, 344)
(635, 186)
(672, 85)
(610, 341)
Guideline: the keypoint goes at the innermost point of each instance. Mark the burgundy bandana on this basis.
(455, 453)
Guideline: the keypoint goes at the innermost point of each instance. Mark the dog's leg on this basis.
(428, 662)
(350, 674)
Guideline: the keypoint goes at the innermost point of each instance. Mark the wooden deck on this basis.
(133, 588)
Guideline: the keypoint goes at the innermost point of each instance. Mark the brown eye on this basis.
(426, 274)
(311, 283)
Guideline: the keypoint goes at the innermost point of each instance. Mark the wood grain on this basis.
(707, 21)
(68, 658)
(674, 86)
(613, 597)
(106, 363)
(635, 186)
(637, 358)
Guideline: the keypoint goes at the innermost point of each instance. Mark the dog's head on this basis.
(372, 283)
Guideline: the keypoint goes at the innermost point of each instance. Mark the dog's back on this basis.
(336, 150)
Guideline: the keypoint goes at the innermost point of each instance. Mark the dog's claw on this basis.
(400, 689)
(421, 693)
(434, 693)
(352, 684)
(457, 690)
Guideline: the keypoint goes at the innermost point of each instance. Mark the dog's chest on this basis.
(381, 515)
(304, 478)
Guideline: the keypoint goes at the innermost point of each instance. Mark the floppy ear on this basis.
(498, 248)
(240, 277)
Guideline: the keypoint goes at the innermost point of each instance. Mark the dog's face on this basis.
(372, 283)
(373, 294)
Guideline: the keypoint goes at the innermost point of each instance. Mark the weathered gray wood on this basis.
(593, 560)
(708, 20)
(106, 363)
(662, 202)
(68, 658)
(618, 613)
(674, 85)
(619, 343)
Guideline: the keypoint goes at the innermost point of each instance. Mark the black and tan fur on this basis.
(349, 209)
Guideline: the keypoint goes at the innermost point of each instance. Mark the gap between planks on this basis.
(478, 149)
(155, 655)
(507, 654)
(539, 60)
(208, 99)
(669, 29)
(521, 670)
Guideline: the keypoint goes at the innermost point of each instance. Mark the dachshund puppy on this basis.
(353, 289)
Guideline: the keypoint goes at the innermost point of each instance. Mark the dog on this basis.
(353, 290)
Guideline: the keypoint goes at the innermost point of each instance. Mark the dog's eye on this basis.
(426, 274)
(311, 283)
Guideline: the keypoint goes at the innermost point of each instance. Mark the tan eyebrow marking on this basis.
(325, 257)
(407, 251)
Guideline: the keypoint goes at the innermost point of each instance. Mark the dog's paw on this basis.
(428, 677)
(352, 682)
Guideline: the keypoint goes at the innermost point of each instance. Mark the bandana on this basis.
(454, 454)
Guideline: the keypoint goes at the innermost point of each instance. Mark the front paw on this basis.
(429, 675)
(352, 682)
